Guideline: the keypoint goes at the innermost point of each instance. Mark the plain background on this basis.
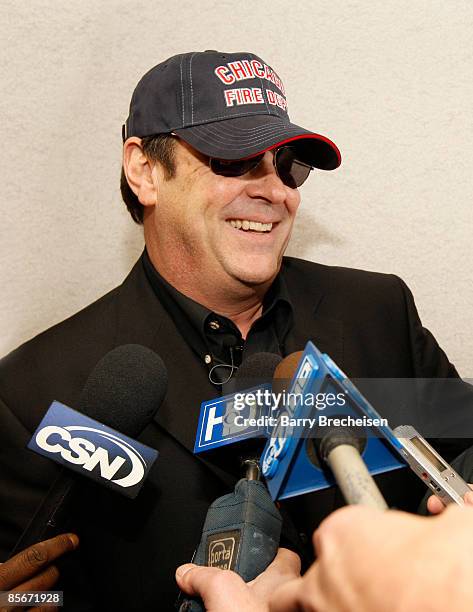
(389, 81)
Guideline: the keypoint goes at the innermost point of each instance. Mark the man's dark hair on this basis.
(159, 148)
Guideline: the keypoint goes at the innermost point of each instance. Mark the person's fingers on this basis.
(181, 572)
(435, 505)
(223, 587)
(32, 560)
(285, 567)
(210, 582)
(41, 582)
(285, 563)
(286, 598)
(219, 589)
(338, 526)
(199, 580)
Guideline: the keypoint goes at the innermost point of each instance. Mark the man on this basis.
(211, 166)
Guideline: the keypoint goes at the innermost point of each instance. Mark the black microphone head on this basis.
(257, 368)
(336, 435)
(125, 389)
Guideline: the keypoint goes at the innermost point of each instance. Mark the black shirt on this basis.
(214, 337)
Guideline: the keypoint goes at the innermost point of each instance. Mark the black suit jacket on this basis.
(366, 322)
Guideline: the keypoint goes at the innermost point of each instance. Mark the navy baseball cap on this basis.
(225, 105)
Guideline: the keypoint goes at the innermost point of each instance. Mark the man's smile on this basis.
(248, 225)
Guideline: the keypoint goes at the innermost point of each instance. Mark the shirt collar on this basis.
(192, 318)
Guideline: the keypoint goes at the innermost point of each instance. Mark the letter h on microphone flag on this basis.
(222, 423)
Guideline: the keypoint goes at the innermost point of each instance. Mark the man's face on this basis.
(220, 230)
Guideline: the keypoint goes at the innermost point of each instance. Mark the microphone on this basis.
(257, 368)
(285, 370)
(319, 394)
(124, 392)
(217, 420)
(125, 389)
(290, 462)
(229, 341)
(242, 529)
(241, 532)
(341, 448)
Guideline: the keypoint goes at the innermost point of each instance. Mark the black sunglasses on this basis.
(290, 170)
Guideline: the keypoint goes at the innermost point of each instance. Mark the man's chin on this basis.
(257, 275)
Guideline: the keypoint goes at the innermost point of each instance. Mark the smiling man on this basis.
(211, 168)
(218, 214)
(218, 240)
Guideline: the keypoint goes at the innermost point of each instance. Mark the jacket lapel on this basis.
(310, 293)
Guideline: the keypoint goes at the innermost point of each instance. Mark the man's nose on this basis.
(264, 181)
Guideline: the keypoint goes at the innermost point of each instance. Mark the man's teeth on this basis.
(256, 226)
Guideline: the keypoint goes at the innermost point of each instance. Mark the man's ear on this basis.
(139, 172)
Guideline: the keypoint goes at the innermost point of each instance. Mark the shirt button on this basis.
(207, 358)
(214, 325)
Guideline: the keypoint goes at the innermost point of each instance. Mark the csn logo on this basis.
(81, 451)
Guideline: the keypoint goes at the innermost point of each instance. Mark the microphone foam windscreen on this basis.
(287, 366)
(125, 389)
(284, 372)
(257, 368)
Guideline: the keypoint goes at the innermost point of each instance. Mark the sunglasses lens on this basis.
(237, 167)
(291, 171)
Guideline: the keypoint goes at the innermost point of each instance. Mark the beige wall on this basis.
(389, 81)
